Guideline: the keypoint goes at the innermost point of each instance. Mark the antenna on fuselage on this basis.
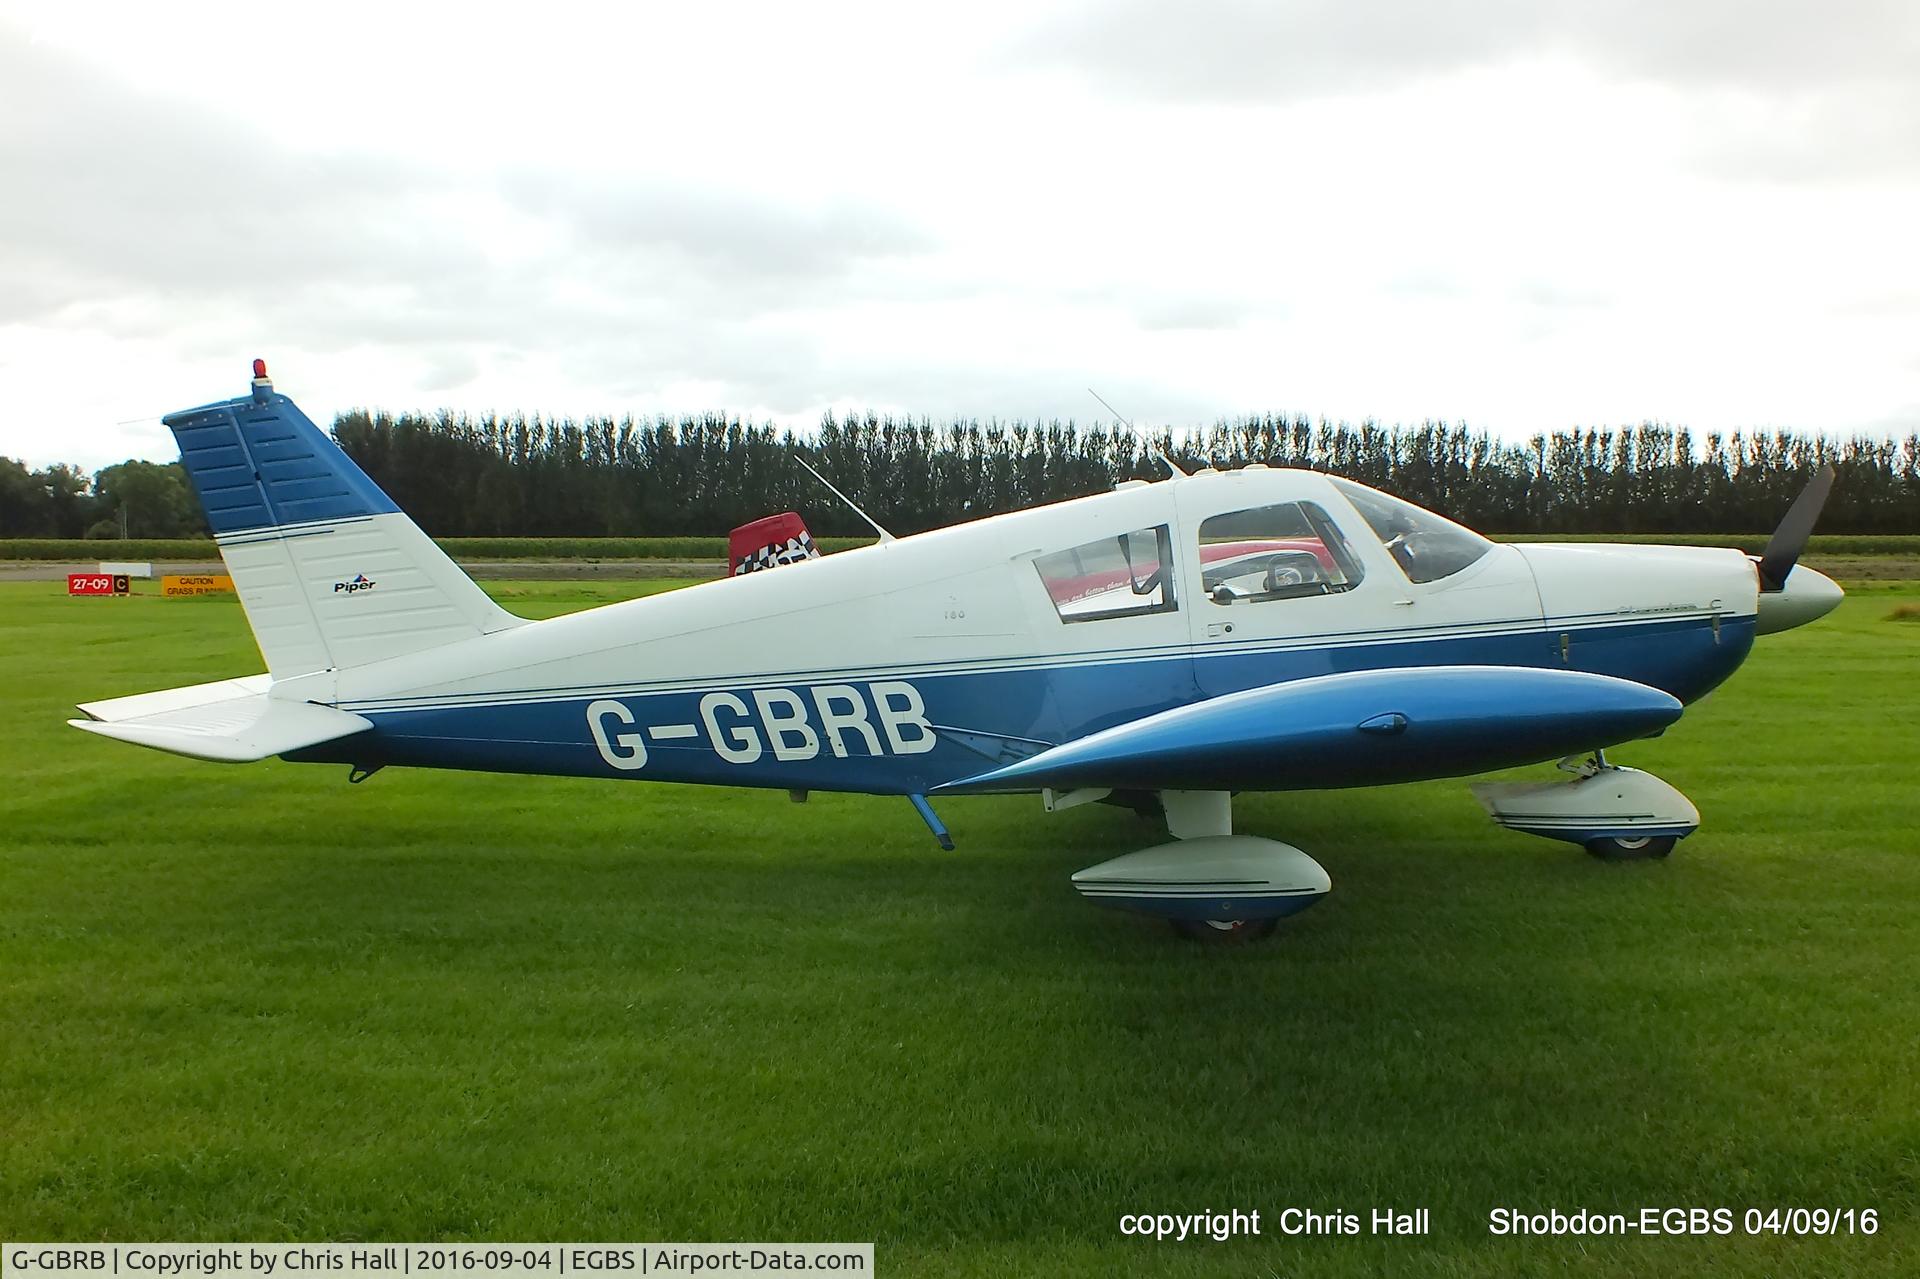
(884, 535)
(1156, 449)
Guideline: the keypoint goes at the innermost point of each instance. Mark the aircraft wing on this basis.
(229, 721)
(1358, 728)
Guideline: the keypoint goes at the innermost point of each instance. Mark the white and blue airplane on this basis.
(1163, 646)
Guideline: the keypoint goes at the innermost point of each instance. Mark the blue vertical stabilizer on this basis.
(259, 462)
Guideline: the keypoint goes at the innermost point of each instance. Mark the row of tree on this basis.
(536, 477)
(132, 499)
(703, 475)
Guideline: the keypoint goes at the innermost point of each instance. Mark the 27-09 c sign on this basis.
(96, 583)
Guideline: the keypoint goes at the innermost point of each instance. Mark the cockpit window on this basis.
(1123, 576)
(1287, 551)
(1426, 546)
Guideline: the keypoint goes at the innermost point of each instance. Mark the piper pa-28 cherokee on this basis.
(1163, 645)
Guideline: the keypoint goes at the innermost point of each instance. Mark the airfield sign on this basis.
(97, 584)
(184, 585)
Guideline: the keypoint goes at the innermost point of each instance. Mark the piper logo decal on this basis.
(885, 718)
(360, 582)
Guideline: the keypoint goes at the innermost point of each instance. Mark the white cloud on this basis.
(1522, 216)
(1287, 49)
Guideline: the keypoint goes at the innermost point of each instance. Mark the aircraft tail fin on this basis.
(331, 573)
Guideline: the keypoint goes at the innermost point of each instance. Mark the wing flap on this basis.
(1358, 728)
(234, 723)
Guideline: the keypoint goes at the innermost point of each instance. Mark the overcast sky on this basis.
(1521, 214)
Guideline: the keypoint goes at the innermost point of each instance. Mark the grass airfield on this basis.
(257, 1003)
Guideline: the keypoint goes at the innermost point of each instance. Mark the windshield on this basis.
(1426, 546)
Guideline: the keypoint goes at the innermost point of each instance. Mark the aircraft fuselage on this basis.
(899, 667)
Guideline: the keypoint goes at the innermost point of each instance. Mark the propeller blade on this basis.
(1790, 539)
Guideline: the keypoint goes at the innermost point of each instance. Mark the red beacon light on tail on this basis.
(770, 542)
(262, 385)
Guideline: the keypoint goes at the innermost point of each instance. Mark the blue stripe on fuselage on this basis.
(1020, 706)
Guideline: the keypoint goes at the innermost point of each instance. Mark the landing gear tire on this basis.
(1638, 849)
(1225, 932)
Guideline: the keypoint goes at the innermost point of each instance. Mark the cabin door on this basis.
(1280, 588)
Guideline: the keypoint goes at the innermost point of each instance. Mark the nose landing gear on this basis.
(1612, 848)
(1615, 813)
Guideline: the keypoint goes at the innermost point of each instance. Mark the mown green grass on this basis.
(256, 1002)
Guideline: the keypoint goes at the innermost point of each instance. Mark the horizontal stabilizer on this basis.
(230, 721)
(1360, 728)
